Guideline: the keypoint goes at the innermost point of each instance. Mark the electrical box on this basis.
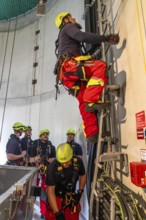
(138, 173)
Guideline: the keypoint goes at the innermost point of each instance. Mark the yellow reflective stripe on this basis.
(75, 88)
(95, 82)
(90, 104)
(84, 73)
(83, 126)
(83, 58)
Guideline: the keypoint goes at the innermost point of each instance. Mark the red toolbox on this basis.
(138, 173)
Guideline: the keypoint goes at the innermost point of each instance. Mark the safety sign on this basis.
(140, 125)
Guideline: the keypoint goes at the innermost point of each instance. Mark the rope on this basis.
(33, 75)
(7, 88)
(5, 53)
(141, 38)
(42, 70)
(35, 58)
(143, 17)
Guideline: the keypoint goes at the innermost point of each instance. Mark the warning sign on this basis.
(140, 124)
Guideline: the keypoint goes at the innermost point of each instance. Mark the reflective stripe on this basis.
(84, 73)
(83, 58)
(83, 126)
(61, 73)
(90, 104)
(95, 82)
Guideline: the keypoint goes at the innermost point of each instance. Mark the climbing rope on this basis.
(7, 87)
(5, 54)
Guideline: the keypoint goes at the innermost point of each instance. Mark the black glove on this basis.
(76, 197)
(113, 39)
(59, 216)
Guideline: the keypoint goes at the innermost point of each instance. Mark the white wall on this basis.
(41, 110)
(130, 69)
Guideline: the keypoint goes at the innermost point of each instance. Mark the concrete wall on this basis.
(129, 69)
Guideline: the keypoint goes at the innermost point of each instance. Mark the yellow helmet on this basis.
(64, 153)
(59, 18)
(70, 131)
(27, 127)
(18, 126)
(44, 131)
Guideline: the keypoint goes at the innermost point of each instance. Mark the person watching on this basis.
(77, 150)
(14, 150)
(27, 143)
(42, 154)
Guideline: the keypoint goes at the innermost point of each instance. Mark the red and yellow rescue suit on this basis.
(85, 79)
(70, 213)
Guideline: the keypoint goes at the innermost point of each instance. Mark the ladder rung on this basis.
(112, 157)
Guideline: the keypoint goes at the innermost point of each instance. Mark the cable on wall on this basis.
(5, 54)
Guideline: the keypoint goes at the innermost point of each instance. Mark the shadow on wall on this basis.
(121, 80)
(119, 111)
(119, 51)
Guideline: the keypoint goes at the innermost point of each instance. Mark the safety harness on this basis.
(80, 72)
(43, 161)
(67, 187)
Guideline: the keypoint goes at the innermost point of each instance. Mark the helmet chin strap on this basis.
(19, 132)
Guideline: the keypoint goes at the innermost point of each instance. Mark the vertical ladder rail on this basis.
(99, 143)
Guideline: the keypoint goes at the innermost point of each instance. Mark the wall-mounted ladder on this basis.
(105, 160)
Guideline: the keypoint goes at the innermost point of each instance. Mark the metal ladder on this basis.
(100, 156)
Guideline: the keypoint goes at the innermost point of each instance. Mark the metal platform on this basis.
(16, 196)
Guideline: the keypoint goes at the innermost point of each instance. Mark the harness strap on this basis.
(74, 175)
(80, 61)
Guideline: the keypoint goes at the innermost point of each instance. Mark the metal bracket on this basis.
(117, 157)
(114, 90)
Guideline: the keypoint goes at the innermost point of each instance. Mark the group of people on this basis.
(58, 169)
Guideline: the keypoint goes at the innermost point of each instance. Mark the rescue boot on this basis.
(114, 90)
(98, 106)
(93, 139)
